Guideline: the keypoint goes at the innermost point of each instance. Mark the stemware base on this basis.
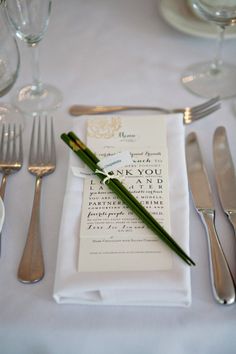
(202, 80)
(28, 100)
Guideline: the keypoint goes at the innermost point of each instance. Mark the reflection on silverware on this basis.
(2, 213)
(42, 162)
(191, 114)
(221, 277)
(225, 174)
(11, 155)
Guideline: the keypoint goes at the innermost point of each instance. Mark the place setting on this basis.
(88, 279)
(124, 231)
(117, 167)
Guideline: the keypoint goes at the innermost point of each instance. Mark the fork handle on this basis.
(31, 268)
(3, 186)
(77, 110)
(2, 193)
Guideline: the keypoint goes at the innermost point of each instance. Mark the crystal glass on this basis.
(209, 79)
(29, 20)
(9, 68)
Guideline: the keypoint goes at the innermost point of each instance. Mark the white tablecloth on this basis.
(104, 52)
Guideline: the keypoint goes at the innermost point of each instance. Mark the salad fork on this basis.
(190, 114)
(42, 162)
(11, 155)
(11, 160)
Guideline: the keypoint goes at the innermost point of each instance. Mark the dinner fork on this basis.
(190, 114)
(11, 155)
(42, 162)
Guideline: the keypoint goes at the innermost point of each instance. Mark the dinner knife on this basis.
(225, 174)
(221, 277)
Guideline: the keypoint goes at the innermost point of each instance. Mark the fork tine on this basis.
(35, 155)
(32, 140)
(11, 152)
(206, 104)
(190, 117)
(46, 156)
(7, 157)
(204, 113)
(20, 155)
(49, 148)
(53, 147)
(13, 156)
(2, 143)
(39, 157)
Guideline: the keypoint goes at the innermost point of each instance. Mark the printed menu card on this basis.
(112, 238)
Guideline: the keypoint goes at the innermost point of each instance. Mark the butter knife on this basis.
(221, 277)
(225, 174)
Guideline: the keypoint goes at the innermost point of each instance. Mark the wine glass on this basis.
(216, 78)
(29, 20)
(9, 68)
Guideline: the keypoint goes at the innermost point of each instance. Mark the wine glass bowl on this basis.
(8, 75)
(9, 69)
(223, 13)
(9, 57)
(29, 21)
(209, 79)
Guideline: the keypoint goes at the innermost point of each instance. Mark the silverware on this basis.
(225, 174)
(191, 114)
(11, 155)
(221, 277)
(42, 162)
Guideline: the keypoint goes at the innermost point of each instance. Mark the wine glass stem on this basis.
(217, 62)
(37, 84)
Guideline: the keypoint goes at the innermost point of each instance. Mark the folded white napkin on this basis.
(159, 288)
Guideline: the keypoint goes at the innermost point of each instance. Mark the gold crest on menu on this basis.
(104, 127)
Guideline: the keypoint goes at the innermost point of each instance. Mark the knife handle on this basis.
(232, 218)
(221, 277)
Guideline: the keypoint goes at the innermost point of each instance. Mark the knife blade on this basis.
(221, 277)
(225, 174)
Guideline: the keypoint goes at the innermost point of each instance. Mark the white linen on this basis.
(111, 52)
(161, 288)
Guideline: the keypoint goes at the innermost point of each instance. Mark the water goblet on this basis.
(29, 20)
(9, 68)
(215, 78)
